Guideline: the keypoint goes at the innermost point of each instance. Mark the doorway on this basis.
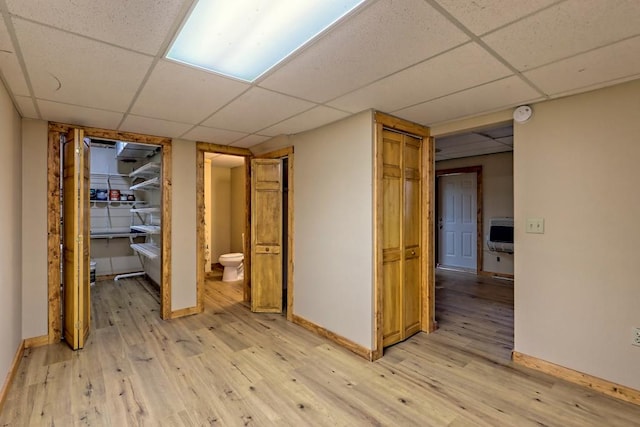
(224, 223)
(210, 247)
(55, 240)
(282, 273)
(475, 292)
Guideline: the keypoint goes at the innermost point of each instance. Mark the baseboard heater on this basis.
(500, 237)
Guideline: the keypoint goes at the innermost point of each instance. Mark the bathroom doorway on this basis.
(222, 197)
(273, 291)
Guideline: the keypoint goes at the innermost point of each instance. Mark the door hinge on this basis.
(79, 239)
(79, 326)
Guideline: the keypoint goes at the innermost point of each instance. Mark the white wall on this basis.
(10, 230)
(577, 290)
(333, 226)
(497, 200)
(183, 225)
(237, 218)
(220, 212)
(34, 228)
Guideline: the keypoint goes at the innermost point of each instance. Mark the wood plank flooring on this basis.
(230, 367)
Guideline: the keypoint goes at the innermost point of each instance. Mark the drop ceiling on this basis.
(101, 64)
(497, 139)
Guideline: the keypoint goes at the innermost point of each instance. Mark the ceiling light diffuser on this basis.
(246, 38)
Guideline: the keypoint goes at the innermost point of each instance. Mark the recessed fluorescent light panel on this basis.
(246, 38)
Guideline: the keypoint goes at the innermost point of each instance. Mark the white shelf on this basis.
(148, 250)
(114, 235)
(149, 229)
(123, 202)
(108, 175)
(150, 184)
(150, 209)
(146, 171)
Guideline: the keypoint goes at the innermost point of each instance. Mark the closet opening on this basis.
(125, 207)
(109, 210)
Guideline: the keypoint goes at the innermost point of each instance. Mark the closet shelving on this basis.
(144, 219)
(109, 219)
(150, 184)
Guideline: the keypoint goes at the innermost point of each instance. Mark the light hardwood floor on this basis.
(231, 367)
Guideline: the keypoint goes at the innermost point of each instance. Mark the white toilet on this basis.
(233, 268)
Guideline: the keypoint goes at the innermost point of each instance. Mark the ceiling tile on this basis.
(9, 65)
(81, 116)
(102, 76)
(216, 136)
(26, 107)
(569, 28)
(489, 97)
(589, 69)
(250, 141)
(385, 37)
(140, 25)
(461, 140)
(311, 119)
(474, 151)
(157, 127)
(433, 78)
(481, 16)
(256, 109)
(184, 94)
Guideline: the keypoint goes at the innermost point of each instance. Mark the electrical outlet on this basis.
(635, 340)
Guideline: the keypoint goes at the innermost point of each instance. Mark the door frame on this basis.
(201, 149)
(54, 328)
(206, 147)
(479, 209)
(427, 180)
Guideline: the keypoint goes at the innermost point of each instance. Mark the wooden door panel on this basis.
(412, 237)
(85, 243)
(391, 313)
(266, 235)
(391, 207)
(77, 304)
(391, 148)
(267, 289)
(267, 219)
(411, 300)
(412, 210)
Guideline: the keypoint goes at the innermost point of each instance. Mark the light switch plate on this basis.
(535, 225)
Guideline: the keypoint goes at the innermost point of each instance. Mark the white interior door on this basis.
(457, 221)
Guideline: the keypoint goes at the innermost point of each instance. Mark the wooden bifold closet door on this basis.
(266, 235)
(77, 302)
(401, 236)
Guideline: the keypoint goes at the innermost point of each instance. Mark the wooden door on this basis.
(266, 235)
(411, 236)
(457, 218)
(401, 236)
(77, 305)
